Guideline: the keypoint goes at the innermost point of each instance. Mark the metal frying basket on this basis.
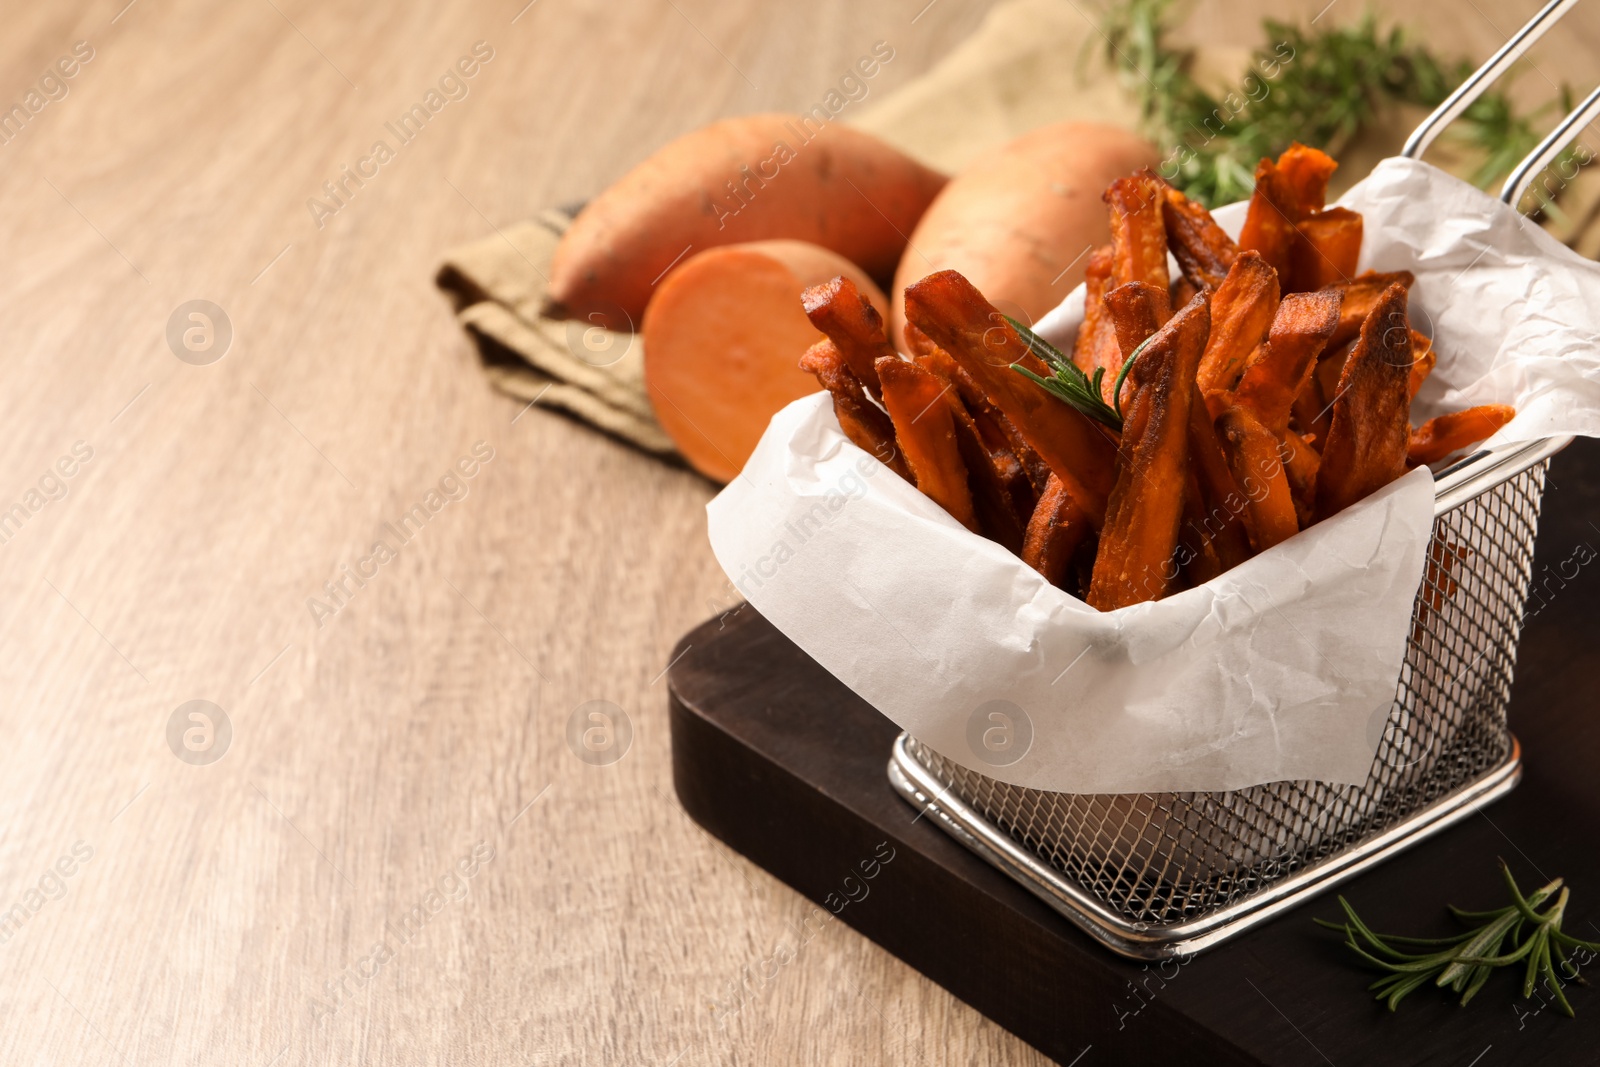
(1154, 875)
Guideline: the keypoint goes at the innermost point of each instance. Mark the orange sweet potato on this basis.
(720, 343)
(756, 177)
(1371, 424)
(1242, 310)
(1299, 332)
(947, 308)
(1254, 456)
(861, 420)
(838, 309)
(920, 404)
(1326, 251)
(1444, 435)
(1019, 222)
(1056, 529)
(1136, 559)
(1203, 250)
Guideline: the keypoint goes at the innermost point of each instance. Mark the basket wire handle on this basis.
(1469, 91)
(1549, 149)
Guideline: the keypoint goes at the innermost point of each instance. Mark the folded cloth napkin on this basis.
(497, 285)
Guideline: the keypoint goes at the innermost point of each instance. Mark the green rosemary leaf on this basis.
(1463, 964)
(1323, 86)
(1067, 383)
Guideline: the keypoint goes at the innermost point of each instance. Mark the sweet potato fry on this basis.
(992, 479)
(1136, 559)
(957, 318)
(1444, 435)
(1197, 550)
(1326, 251)
(1299, 332)
(1310, 415)
(997, 430)
(1268, 228)
(1423, 359)
(1224, 525)
(1242, 310)
(1203, 250)
(924, 424)
(1255, 457)
(1135, 310)
(838, 309)
(862, 421)
(1371, 427)
(1304, 172)
(1361, 295)
(1138, 234)
(1055, 531)
(1096, 346)
(1300, 463)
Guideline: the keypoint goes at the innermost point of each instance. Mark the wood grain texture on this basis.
(229, 909)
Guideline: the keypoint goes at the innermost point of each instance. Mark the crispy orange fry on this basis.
(1016, 464)
(1055, 531)
(1300, 463)
(1135, 310)
(1203, 250)
(1326, 251)
(958, 319)
(1242, 310)
(849, 320)
(1096, 345)
(924, 424)
(990, 419)
(1304, 172)
(1225, 525)
(862, 421)
(1196, 549)
(1254, 455)
(1136, 560)
(1268, 228)
(1423, 358)
(1361, 295)
(1299, 332)
(1367, 438)
(1138, 235)
(1310, 414)
(1443, 435)
(992, 479)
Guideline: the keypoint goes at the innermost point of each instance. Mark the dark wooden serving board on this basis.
(778, 759)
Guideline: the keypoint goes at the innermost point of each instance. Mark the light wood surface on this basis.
(229, 911)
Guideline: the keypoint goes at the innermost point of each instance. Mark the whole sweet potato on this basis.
(1019, 224)
(752, 178)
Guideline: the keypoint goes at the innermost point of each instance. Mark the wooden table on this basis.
(388, 852)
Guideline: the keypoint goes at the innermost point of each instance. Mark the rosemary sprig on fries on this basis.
(1068, 384)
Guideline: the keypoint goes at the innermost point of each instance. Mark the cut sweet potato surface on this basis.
(721, 339)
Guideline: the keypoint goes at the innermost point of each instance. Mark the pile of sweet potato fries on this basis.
(1198, 420)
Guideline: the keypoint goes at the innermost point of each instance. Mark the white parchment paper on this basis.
(1276, 670)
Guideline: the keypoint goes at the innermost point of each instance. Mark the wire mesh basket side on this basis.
(1159, 859)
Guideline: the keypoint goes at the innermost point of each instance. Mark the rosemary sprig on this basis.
(1066, 382)
(1326, 84)
(1465, 961)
